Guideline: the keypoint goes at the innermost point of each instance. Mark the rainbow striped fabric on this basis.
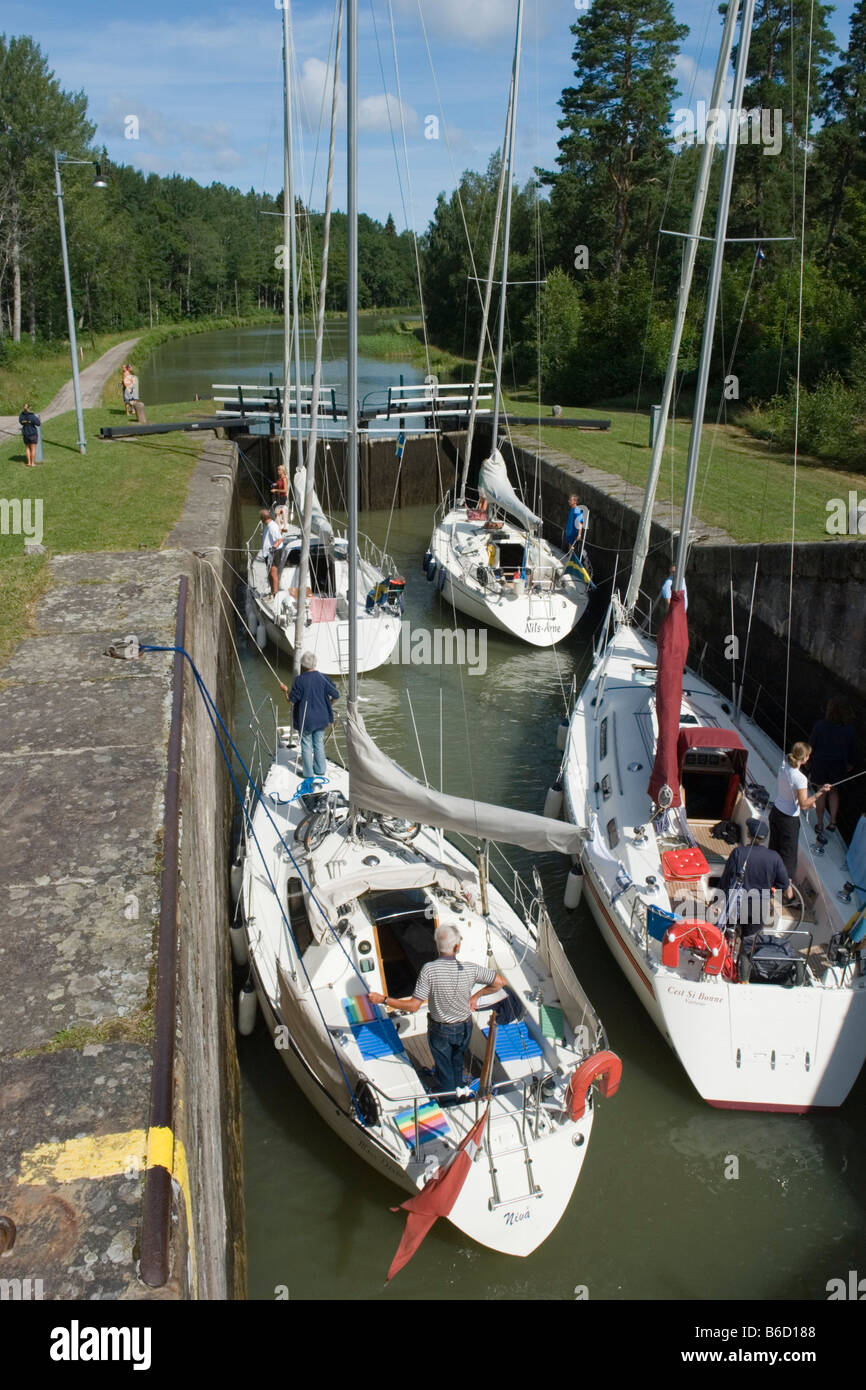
(358, 1009)
(432, 1123)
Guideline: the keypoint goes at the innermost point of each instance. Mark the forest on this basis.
(155, 249)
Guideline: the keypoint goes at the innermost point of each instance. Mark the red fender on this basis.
(698, 936)
(604, 1067)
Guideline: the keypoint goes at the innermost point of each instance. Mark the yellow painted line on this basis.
(105, 1156)
(94, 1156)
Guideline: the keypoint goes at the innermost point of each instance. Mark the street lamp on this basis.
(99, 182)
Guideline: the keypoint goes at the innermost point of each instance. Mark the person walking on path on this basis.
(312, 696)
(30, 424)
(447, 984)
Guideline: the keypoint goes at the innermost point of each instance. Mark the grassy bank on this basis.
(120, 495)
(35, 372)
(405, 343)
(744, 485)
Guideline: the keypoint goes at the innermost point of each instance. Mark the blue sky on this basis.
(204, 80)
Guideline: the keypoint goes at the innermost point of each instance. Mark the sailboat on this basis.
(788, 1037)
(490, 561)
(340, 900)
(310, 605)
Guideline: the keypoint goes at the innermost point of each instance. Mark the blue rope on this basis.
(211, 710)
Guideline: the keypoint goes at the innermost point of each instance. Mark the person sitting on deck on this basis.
(753, 869)
(447, 983)
(272, 539)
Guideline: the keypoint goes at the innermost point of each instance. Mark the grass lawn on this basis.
(120, 495)
(402, 343)
(31, 377)
(743, 485)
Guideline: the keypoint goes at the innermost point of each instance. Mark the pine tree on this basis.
(615, 145)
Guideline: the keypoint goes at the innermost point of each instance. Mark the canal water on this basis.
(189, 367)
(676, 1200)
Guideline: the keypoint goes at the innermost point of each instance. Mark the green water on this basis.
(653, 1215)
(183, 368)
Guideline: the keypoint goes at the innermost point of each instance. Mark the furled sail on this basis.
(378, 784)
(320, 524)
(673, 648)
(494, 483)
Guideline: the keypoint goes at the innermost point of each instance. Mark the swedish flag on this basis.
(577, 571)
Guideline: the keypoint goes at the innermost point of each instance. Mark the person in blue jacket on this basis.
(29, 423)
(575, 523)
(312, 696)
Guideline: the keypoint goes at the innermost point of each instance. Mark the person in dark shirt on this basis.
(29, 433)
(756, 870)
(833, 743)
(312, 695)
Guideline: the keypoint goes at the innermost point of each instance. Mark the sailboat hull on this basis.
(540, 616)
(523, 1178)
(792, 1048)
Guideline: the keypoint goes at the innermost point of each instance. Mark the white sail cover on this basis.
(493, 481)
(321, 526)
(378, 784)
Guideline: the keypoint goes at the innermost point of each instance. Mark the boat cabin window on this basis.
(298, 919)
(605, 788)
(404, 927)
(710, 784)
(612, 833)
(602, 740)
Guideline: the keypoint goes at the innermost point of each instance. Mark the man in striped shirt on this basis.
(447, 984)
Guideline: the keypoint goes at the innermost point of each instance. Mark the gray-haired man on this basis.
(447, 984)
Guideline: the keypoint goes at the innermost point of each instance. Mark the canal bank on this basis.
(85, 845)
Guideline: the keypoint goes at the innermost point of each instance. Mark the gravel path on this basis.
(93, 380)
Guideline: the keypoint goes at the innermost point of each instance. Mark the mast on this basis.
(641, 545)
(506, 239)
(289, 224)
(713, 295)
(488, 293)
(352, 339)
(310, 478)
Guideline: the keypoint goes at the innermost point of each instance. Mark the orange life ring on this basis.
(604, 1067)
(698, 936)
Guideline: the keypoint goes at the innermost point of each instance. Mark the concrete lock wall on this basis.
(824, 609)
(207, 1100)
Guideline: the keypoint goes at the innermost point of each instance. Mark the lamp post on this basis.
(99, 182)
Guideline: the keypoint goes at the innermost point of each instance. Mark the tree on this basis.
(36, 118)
(615, 146)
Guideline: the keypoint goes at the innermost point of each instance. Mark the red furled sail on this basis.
(673, 648)
(437, 1198)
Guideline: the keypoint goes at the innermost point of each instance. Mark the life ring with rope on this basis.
(695, 936)
(605, 1068)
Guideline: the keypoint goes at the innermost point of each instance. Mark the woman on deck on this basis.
(792, 797)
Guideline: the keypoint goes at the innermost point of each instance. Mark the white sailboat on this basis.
(653, 855)
(310, 608)
(342, 902)
(491, 562)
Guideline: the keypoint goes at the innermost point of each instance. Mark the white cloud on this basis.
(475, 21)
(375, 113)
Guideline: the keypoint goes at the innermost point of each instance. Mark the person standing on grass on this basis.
(30, 424)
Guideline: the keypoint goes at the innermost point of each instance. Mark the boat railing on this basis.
(531, 1103)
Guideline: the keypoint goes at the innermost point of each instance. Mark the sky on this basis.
(195, 86)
